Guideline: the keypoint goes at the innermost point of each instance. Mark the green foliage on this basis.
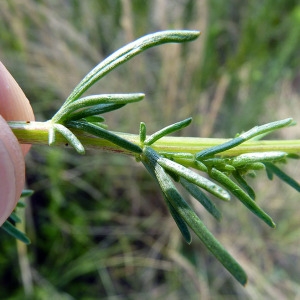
(133, 241)
(218, 168)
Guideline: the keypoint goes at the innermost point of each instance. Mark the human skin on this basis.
(14, 106)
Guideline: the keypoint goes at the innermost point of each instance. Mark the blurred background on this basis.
(98, 224)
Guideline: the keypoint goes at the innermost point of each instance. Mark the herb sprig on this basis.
(79, 123)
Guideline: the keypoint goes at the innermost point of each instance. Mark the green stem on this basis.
(37, 133)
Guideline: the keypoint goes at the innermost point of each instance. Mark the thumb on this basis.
(14, 106)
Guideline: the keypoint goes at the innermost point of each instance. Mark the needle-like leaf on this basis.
(283, 176)
(16, 233)
(26, 193)
(95, 100)
(167, 130)
(127, 52)
(92, 111)
(249, 158)
(201, 197)
(13, 217)
(181, 224)
(69, 136)
(105, 134)
(241, 195)
(143, 132)
(255, 131)
(189, 175)
(243, 183)
(190, 217)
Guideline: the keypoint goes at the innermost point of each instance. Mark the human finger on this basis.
(14, 106)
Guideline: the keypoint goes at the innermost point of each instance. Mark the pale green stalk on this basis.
(37, 133)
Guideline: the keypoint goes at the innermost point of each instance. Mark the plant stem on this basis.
(37, 133)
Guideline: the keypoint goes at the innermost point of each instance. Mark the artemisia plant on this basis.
(203, 166)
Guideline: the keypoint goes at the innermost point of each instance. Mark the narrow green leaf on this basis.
(178, 155)
(173, 175)
(190, 217)
(92, 111)
(255, 131)
(95, 119)
(149, 168)
(95, 100)
(185, 159)
(105, 134)
(167, 130)
(206, 236)
(127, 52)
(13, 217)
(253, 166)
(143, 132)
(220, 148)
(181, 224)
(16, 233)
(220, 163)
(201, 197)
(70, 137)
(51, 135)
(283, 176)
(249, 158)
(105, 99)
(177, 218)
(293, 155)
(241, 195)
(21, 204)
(269, 173)
(200, 166)
(243, 183)
(26, 193)
(189, 175)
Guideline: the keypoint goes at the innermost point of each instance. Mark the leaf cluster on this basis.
(83, 113)
(227, 176)
(223, 175)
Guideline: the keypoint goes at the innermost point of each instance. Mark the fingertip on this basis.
(14, 106)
